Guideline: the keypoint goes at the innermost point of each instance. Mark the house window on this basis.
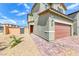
(60, 10)
(42, 20)
(46, 5)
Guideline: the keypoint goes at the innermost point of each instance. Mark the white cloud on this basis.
(12, 21)
(4, 17)
(27, 11)
(24, 21)
(14, 11)
(9, 22)
(6, 20)
(21, 14)
(1, 21)
(72, 6)
(26, 6)
(19, 4)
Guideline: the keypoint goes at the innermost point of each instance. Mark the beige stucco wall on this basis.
(6, 30)
(75, 27)
(63, 9)
(40, 7)
(41, 30)
(14, 31)
(56, 5)
(43, 7)
(77, 23)
(26, 30)
(48, 32)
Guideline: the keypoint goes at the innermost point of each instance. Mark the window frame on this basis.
(60, 10)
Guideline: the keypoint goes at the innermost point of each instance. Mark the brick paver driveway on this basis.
(62, 47)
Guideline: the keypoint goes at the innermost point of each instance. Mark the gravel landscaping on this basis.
(26, 48)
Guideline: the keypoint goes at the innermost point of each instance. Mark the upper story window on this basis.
(60, 10)
(36, 8)
(42, 20)
(46, 5)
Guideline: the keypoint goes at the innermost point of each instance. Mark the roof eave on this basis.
(61, 14)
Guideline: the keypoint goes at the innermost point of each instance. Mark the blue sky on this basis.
(72, 7)
(16, 13)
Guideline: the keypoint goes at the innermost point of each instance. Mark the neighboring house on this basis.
(75, 16)
(8, 29)
(17, 30)
(48, 20)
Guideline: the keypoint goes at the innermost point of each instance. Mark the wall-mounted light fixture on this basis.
(52, 20)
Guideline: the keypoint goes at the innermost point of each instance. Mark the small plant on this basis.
(31, 14)
(15, 41)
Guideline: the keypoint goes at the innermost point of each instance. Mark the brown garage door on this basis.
(62, 30)
(31, 28)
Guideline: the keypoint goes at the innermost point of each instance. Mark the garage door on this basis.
(62, 30)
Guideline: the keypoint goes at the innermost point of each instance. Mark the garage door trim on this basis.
(61, 27)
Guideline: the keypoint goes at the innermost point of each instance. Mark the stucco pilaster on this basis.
(51, 29)
(72, 30)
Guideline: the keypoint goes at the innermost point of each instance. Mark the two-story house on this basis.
(75, 16)
(48, 20)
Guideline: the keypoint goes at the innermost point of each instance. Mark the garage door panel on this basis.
(61, 30)
(61, 36)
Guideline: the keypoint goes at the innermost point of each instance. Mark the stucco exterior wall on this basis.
(56, 5)
(62, 20)
(55, 18)
(30, 18)
(14, 31)
(75, 27)
(40, 7)
(25, 30)
(64, 11)
(41, 30)
(6, 30)
(77, 23)
(48, 32)
(43, 7)
(36, 8)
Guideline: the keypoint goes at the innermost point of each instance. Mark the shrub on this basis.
(15, 41)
